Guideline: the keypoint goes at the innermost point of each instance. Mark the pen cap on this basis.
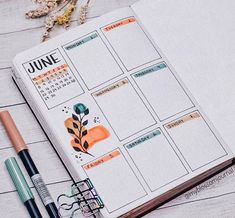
(12, 131)
(18, 179)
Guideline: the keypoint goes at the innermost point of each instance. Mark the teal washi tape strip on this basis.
(80, 42)
(150, 70)
(143, 139)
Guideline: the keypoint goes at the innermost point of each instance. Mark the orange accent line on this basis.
(120, 23)
(50, 77)
(95, 135)
(183, 120)
(50, 72)
(103, 159)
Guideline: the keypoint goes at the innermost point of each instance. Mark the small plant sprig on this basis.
(57, 12)
(83, 13)
(53, 18)
(79, 124)
(65, 18)
(46, 6)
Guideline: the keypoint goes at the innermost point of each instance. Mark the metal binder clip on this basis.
(83, 198)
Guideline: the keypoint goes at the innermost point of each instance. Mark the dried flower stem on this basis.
(83, 13)
(65, 18)
(52, 10)
(46, 7)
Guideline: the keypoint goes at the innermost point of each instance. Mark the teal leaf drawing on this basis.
(77, 110)
(86, 111)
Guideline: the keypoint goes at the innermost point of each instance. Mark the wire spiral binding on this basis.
(83, 197)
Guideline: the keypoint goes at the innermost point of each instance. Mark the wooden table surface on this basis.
(213, 198)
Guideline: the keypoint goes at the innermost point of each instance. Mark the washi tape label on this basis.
(103, 159)
(143, 139)
(183, 120)
(119, 23)
(81, 41)
(150, 70)
(111, 88)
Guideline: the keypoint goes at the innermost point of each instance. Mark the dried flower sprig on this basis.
(45, 8)
(83, 13)
(65, 18)
(57, 12)
(49, 24)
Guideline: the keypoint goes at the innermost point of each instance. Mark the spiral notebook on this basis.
(128, 130)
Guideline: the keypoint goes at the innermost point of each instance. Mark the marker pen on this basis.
(22, 187)
(22, 150)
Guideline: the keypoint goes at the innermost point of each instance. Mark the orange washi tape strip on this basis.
(103, 159)
(183, 120)
(41, 76)
(50, 77)
(120, 23)
(112, 87)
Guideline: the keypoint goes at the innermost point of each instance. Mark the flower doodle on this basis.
(83, 139)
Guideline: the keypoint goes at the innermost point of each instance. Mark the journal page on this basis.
(187, 33)
(118, 113)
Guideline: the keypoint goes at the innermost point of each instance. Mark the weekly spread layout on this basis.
(118, 113)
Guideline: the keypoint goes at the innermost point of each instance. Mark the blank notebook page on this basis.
(200, 44)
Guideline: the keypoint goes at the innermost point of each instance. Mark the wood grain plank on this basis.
(9, 94)
(31, 36)
(26, 123)
(46, 160)
(13, 13)
(17, 209)
(219, 184)
(10, 46)
(219, 207)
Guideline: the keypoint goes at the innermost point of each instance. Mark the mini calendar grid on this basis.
(53, 80)
(55, 85)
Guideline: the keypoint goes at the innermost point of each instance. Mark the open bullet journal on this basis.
(118, 115)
